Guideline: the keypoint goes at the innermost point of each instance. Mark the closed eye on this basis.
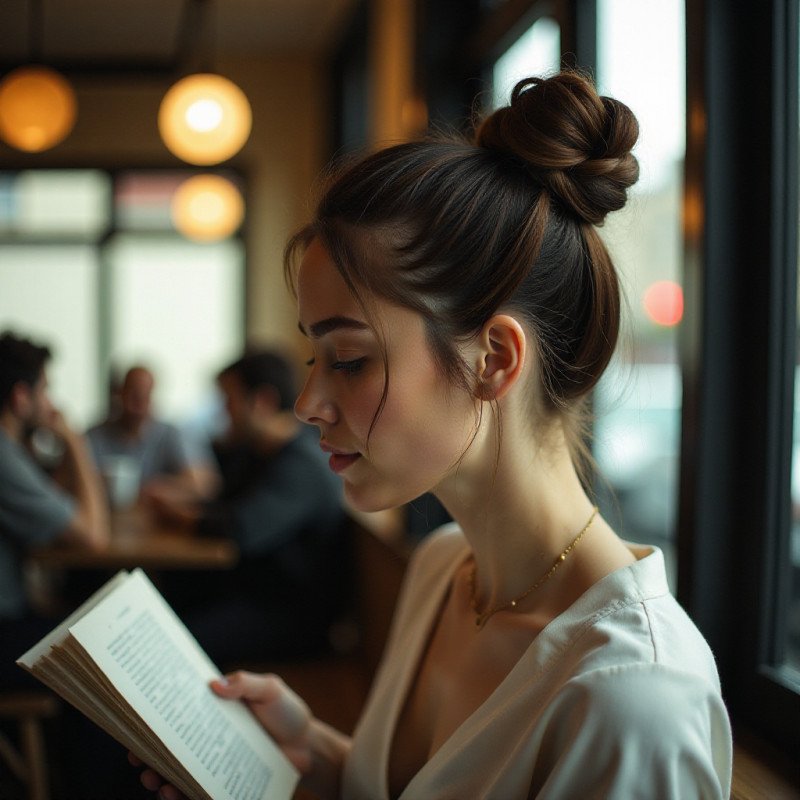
(349, 367)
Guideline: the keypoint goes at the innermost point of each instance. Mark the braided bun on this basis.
(574, 142)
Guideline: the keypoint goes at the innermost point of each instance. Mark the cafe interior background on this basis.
(106, 256)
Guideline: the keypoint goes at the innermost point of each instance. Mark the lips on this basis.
(339, 463)
(339, 460)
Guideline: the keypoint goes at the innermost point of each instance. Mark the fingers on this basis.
(282, 712)
(249, 686)
(152, 781)
(168, 792)
(149, 778)
(300, 757)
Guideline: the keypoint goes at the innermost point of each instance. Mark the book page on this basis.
(59, 633)
(147, 653)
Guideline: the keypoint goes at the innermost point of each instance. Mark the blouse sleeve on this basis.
(640, 730)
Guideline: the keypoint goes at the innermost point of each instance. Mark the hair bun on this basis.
(572, 140)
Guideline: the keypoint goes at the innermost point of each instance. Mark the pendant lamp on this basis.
(37, 108)
(204, 119)
(207, 208)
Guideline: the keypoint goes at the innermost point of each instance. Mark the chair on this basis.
(28, 760)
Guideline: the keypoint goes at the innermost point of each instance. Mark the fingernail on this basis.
(222, 681)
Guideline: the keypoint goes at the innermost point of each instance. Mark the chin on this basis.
(369, 499)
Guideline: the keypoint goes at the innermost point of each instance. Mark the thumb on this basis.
(249, 686)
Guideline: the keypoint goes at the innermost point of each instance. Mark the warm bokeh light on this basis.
(663, 302)
(37, 108)
(207, 208)
(204, 119)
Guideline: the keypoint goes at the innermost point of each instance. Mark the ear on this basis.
(20, 399)
(503, 346)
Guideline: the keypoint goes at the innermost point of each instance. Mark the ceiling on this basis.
(107, 35)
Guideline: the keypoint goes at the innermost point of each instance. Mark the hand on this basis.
(154, 782)
(52, 419)
(284, 715)
(171, 502)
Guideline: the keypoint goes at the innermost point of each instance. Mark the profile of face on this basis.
(136, 394)
(39, 408)
(425, 426)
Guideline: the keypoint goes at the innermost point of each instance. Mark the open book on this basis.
(126, 661)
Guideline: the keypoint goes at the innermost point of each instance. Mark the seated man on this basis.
(159, 449)
(282, 505)
(34, 510)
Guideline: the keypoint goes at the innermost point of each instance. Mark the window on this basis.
(638, 401)
(91, 264)
(536, 52)
(735, 528)
(788, 623)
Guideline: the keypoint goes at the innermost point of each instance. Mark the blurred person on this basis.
(159, 450)
(34, 509)
(283, 507)
(37, 509)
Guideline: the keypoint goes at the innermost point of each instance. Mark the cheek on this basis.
(363, 404)
(427, 424)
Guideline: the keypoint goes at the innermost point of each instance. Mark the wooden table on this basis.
(138, 539)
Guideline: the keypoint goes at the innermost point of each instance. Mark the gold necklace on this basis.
(482, 617)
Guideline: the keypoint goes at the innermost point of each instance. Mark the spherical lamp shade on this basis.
(207, 207)
(37, 108)
(204, 119)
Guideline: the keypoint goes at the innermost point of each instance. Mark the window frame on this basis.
(100, 241)
(737, 347)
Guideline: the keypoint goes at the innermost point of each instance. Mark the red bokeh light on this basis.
(663, 302)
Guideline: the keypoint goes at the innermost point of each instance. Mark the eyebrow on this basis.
(325, 326)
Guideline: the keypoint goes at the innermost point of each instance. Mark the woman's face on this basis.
(423, 428)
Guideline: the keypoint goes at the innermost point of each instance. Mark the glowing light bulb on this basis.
(207, 208)
(37, 108)
(204, 119)
(204, 115)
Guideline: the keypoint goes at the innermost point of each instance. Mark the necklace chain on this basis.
(482, 617)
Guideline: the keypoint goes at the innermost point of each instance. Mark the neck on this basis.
(518, 511)
(11, 425)
(131, 426)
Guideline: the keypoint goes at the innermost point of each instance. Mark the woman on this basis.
(460, 306)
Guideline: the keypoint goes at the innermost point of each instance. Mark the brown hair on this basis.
(457, 229)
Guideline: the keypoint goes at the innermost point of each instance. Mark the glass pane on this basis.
(49, 294)
(791, 651)
(638, 402)
(791, 623)
(176, 307)
(58, 203)
(142, 200)
(7, 213)
(536, 52)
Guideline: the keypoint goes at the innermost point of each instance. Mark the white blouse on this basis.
(618, 697)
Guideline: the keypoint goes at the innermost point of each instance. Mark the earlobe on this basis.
(503, 350)
(20, 398)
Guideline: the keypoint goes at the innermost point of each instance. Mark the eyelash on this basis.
(351, 367)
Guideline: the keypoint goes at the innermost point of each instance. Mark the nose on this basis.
(313, 406)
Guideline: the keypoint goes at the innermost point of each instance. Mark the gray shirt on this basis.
(33, 511)
(159, 449)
